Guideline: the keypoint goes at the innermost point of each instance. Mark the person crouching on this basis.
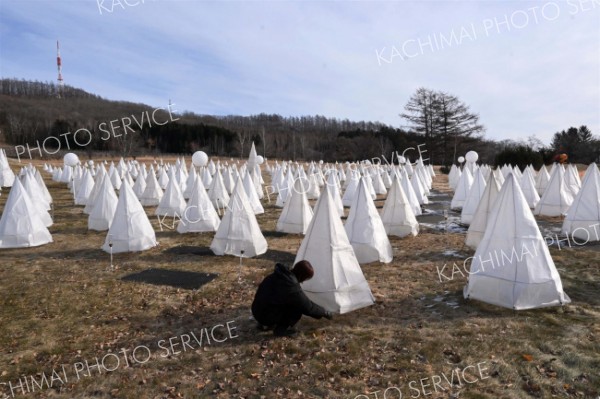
(280, 302)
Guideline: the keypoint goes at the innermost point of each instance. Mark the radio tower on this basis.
(59, 66)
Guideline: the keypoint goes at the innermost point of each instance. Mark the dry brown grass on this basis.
(60, 305)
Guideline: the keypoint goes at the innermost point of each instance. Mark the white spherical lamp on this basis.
(71, 159)
(461, 159)
(260, 160)
(200, 158)
(472, 156)
(402, 159)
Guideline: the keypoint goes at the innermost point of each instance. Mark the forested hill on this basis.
(31, 111)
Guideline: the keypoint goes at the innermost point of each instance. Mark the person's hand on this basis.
(328, 315)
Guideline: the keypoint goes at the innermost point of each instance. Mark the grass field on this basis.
(61, 307)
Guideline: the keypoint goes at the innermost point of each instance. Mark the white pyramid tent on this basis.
(284, 190)
(352, 181)
(152, 193)
(512, 266)
(473, 198)
(556, 199)
(462, 190)
(130, 230)
(542, 179)
(334, 191)
(397, 214)
(572, 180)
(36, 197)
(527, 183)
(140, 185)
(482, 213)
(454, 177)
(7, 177)
(365, 229)
(190, 182)
(250, 189)
(20, 224)
(409, 192)
(239, 230)
(45, 192)
(172, 202)
(583, 217)
(217, 191)
(85, 188)
(199, 215)
(91, 201)
(297, 213)
(313, 190)
(105, 204)
(338, 283)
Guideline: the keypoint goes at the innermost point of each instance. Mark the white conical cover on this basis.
(239, 230)
(462, 190)
(140, 186)
(409, 192)
(130, 230)
(21, 224)
(284, 190)
(250, 189)
(542, 179)
(217, 192)
(105, 204)
(7, 176)
(85, 189)
(482, 213)
(199, 215)
(297, 213)
(454, 177)
(313, 191)
(512, 266)
(365, 229)
(334, 191)
(378, 184)
(556, 199)
(40, 181)
(473, 198)
(397, 214)
(36, 197)
(115, 178)
(172, 202)
(527, 183)
(352, 182)
(417, 186)
(228, 180)
(572, 180)
(583, 217)
(338, 283)
(152, 193)
(190, 182)
(91, 201)
(163, 178)
(252, 157)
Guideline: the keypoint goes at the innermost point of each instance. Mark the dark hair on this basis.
(303, 270)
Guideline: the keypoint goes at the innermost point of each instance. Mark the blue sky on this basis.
(528, 68)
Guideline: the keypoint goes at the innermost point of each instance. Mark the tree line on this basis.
(30, 111)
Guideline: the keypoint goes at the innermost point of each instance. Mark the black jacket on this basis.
(280, 294)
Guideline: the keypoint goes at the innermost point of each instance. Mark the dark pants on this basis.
(279, 319)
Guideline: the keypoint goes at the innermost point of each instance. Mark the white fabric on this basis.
(512, 266)
(239, 230)
(338, 283)
(130, 229)
(365, 229)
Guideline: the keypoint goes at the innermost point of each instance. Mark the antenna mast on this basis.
(61, 84)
